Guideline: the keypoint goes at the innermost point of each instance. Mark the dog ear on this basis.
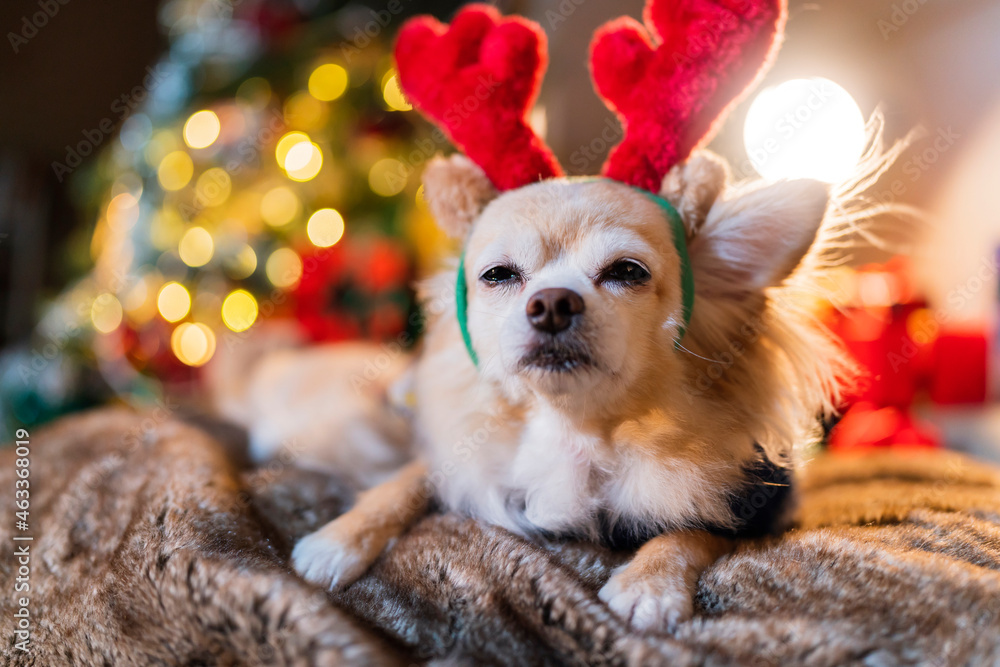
(457, 191)
(694, 185)
(756, 239)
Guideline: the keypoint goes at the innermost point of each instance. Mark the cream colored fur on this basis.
(640, 430)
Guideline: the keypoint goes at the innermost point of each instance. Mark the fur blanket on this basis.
(152, 547)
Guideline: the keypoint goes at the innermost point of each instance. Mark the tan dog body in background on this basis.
(582, 413)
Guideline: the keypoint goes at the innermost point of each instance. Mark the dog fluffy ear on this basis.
(694, 185)
(456, 191)
(755, 240)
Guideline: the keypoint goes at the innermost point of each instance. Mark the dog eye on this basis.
(625, 271)
(500, 274)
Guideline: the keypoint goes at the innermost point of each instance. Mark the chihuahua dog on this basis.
(586, 411)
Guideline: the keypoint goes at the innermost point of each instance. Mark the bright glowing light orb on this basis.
(303, 161)
(325, 227)
(173, 302)
(805, 128)
(239, 310)
(193, 343)
(393, 94)
(328, 82)
(202, 129)
(196, 247)
(283, 268)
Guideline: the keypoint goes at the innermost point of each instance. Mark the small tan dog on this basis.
(621, 359)
(583, 418)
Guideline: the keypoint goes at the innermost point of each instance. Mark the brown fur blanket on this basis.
(152, 547)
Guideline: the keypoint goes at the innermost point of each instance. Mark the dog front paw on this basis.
(334, 556)
(647, 603)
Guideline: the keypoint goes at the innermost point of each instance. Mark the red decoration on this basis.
(672, 82)
(867, 425)
(355, 289)
(960, 363)
(478, 79)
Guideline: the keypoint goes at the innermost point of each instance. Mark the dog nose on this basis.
(551, 310)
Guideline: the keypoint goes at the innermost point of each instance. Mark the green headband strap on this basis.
(680, 244)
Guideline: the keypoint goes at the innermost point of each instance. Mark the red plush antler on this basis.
(670, 96)
(478, 80)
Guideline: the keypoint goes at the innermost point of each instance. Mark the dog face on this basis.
(573, 287)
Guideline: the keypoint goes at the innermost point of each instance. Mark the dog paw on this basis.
(333, 557)
(647, 603)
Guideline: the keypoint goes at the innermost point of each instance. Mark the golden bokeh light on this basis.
(173, 302)
(279, 206)
(325, 227)
(239, 310)
(387, 177)
(303, 161)
(285, 144)
(196, 247)
(193, 343)
(242, 264)
(328, 82)
(284, 268)
(175, 170)
(166, 229)
(106, 313)
(123, 211)
(202, 129)
(213, 187)
(159, 146)
(393, 94)
(139, 303)
(305, 112)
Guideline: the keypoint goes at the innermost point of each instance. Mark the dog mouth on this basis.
(556, 358)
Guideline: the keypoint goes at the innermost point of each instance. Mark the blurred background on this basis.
(175, 176)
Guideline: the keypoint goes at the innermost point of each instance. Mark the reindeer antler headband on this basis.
(669, 82)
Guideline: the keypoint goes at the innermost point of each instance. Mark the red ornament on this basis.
(355, 289)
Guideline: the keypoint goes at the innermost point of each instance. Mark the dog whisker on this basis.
(684, 349)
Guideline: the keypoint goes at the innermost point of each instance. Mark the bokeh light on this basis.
(328, 82)
(213, 187)
(387, 177)
(202, 129)
(242, 264)
(196, 247)
(173, 302)
(283, 268)
(325, 227)
(193, 343)
(239, 310)
(106, 313)
(279, 206)
(393, 94)
(123, 212)
(305, 112)
(286, 143)
(175, 170)
(166, 229)
(303, 161)
(138, 302)
(805, 128)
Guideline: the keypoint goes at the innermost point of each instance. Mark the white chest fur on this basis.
(551, 474)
